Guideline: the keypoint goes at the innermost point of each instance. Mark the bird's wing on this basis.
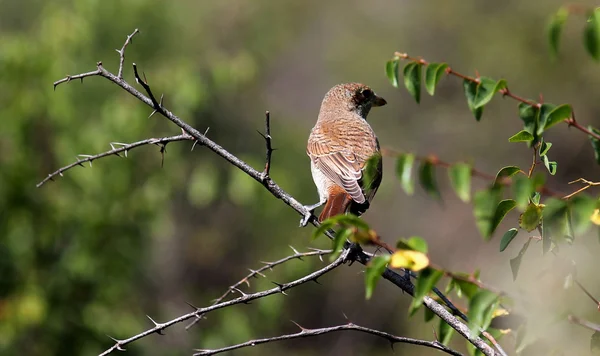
(342, 155)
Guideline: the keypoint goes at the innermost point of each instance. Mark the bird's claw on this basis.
(306, 218)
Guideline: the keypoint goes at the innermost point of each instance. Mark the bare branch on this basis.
(122, 52)
(124, 148)
(267, 137)
(304, 332)
(243, 299)
(254, 273)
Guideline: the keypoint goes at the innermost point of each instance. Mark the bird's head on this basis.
(353, 97)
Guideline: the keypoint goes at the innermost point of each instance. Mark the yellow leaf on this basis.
(500, 312)
(413, 260)
(596, 217)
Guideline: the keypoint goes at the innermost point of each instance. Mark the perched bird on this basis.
(339, 146)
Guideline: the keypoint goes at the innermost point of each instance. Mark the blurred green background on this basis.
(94, 252)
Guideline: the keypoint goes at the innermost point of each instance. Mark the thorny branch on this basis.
(245, 298)
(267, 137)
(304, 332)
(259, 272)
(505, 92)
(277, 192)
(121, 148)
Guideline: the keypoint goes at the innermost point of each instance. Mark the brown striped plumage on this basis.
(339, 146)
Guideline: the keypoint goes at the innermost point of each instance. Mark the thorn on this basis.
(145, 80)
(280, 287)
(161, 95)
(111, 146)
(99, 64)
(192, 306)
(435, 334)
(299, 326)
(152, 114)
(392, 345)
(239, 291)
(205, 132)
(194, 145)
(345, 317)
(256, 273)
(118, 343)
(118, 51)
(60, 174)
(295, 251)
(81, 79)
(316, 281)
(125, 153)
(152, 320)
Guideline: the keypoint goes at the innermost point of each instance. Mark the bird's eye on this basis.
(367, 93)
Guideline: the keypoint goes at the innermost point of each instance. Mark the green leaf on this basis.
(595, 341)
(374, 270)
(506, 172)
(485, 91)
(340, 238)
(544, 147)
(557, 115)
(325, 225)
(515, 263)
(530, 219)
(470, 92)
(543, 115)
(530, 116)
(391, 70)
(521, 136)
(371, 170)
(555, 28)
(591, 34)
(425, 283)
(522, 190)
(404, 166)
(555, 214)
(582, 208)
(415, 243)
(412, 79)
(445, 332)
(507, 238)
(427, 179)
(503, 208)
(484, 207)
(595, 143)
(464, 287)
(460, 179)
(428, 315)
(481, 309)
(433, 74)
(551, 166)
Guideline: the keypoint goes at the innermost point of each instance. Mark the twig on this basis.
(505, 92)
(280, 288)
(267, 137)
(584, 323)
(277, 192)
(267, 266)
(596, 301)
(304, 332)
(122, 52)
(123, 148)
(585, 181)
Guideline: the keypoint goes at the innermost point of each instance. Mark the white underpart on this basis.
(321, 181)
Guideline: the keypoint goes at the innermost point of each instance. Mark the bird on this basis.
(339, 146)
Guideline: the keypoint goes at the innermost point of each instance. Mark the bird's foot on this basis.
(309, 213)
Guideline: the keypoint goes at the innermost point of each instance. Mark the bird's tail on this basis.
(337, 203)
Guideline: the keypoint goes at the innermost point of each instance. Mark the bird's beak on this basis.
(379, 101)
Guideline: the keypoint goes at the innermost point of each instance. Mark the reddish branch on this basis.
(505, 92)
